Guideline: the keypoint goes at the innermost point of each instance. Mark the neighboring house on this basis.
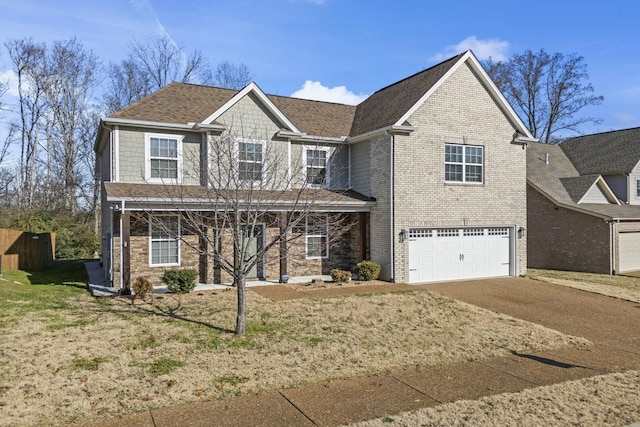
(577, 193)
(431, 170)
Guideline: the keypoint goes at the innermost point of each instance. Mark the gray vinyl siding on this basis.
(361, 167)
(132, 154)
(634, 176)
(594, 195)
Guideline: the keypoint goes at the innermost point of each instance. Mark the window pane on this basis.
(315, 176)
(453, 153)
(453, 173)
(474, 155)
(316, 246)
(317, 225)
(473, 173)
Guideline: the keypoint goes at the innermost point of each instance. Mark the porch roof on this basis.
(197, 197)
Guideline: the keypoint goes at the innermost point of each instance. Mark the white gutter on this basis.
(196, 127)
(303, 137)
(386, 130)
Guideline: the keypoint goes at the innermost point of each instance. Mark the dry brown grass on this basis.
(96, 358)
(624, 287)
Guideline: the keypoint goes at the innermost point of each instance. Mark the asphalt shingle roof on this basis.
(605, 153)
(561, 181)
(182, 103)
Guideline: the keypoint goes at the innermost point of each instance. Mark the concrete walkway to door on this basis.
(611, 324)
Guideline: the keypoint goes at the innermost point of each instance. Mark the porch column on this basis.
(283, 246)
(203, 246)
(363, 218)
(126, 253)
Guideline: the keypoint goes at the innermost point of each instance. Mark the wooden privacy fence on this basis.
(26, 251)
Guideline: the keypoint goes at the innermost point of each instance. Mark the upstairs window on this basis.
(315, 164)
(163, 158)
(463, 163)
(317, 236)
(164, 236)
(638, 187)
(250, 160)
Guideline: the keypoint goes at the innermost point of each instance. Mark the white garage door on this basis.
(458, 253)
(629, 251)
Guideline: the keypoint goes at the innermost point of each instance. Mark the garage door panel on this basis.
(457, 254)
(629, 251)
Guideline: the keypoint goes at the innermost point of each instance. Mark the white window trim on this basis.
(263, 144)
(464, 164)
(151, 240)
(147, 158)
(307, 235)
(327, 174)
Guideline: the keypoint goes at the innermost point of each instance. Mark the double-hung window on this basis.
(463, 163)
(163, 158)
(316, 166)
(317, 236)
(164, 236)
(638, 187)
(250, 160)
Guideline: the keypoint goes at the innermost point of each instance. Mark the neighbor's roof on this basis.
(607, 153)
(561, 182)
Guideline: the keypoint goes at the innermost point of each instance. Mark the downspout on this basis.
(612, 258)
(110, 272)
(349, 166)
(392, 206)
(121, 243)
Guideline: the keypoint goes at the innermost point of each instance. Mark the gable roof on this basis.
(561, 183)
(607, 153)
(182, 103)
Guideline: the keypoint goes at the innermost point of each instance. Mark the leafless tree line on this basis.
(62, 90)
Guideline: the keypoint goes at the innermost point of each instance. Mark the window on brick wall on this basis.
(164, 240)
(317, 236)
(463, 163)
(163, 158)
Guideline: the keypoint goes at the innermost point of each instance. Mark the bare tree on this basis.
(28, 58)
(70, 80)
(547, 91)
(252, 207)
(232, 76)
(126, 84)
(163, 61)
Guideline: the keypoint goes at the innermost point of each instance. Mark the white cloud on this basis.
(10, 78)
(318, 92)
(625, 119)
(483, 49)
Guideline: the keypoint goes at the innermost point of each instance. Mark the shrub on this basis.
(180, 281)
(141, 287)
(368, 270)
(340, 276)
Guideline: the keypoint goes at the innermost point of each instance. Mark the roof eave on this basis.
(389, 130)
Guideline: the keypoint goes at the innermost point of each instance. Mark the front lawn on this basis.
(624, 287)
(75, 358)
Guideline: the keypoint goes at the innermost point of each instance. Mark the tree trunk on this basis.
(241, 319)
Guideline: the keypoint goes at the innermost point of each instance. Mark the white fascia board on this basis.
(604, 189)
(252, 87)
(194, 127)
(384, 130)
(469, 56)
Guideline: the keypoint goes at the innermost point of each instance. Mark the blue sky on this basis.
(343, 50)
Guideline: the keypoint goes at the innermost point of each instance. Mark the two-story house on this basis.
(583, 202)
(429, 172)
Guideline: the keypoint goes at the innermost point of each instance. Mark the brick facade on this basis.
(563, 239)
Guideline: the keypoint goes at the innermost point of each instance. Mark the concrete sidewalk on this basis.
(611, 324)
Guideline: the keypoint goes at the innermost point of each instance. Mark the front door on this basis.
(255, 242)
